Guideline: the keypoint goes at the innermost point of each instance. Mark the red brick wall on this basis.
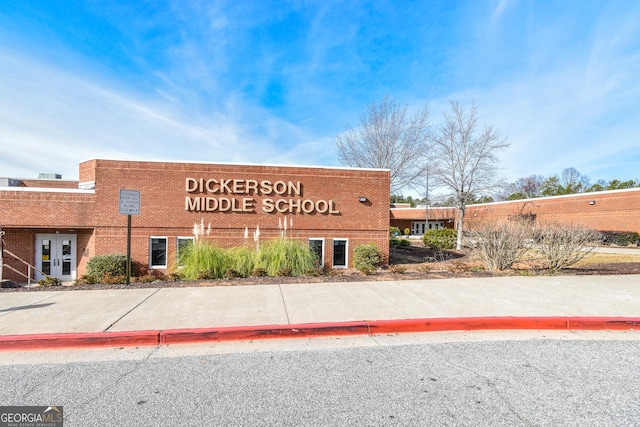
(162, 189)
(25, 213)
(46, 209)
(617, 210)
(94, 215)
(22, 244)
(49, 183)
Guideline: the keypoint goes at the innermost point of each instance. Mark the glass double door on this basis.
(56, 256)
(418, 228)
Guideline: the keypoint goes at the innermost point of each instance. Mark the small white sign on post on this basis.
(129, 202)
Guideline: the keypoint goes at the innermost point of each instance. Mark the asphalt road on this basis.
(526, 379)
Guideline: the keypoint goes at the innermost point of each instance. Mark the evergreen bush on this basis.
(440, 239)
(401, 243)
(108, 267)
(367, 257)
(620, 238)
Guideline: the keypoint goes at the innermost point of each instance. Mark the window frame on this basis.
(346, 252)
(166, 248)
(321, 240)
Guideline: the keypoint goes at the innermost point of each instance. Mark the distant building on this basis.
(615, 210)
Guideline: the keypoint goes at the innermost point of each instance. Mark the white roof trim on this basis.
(47, 190)
(238, 164)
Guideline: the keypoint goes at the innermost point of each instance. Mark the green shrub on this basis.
(400, 243)
(367, 257)
(407, 231)
(440, 239)
(620, 238)
(394, 231)
(106, 267)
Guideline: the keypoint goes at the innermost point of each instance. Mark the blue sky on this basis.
(276, 81)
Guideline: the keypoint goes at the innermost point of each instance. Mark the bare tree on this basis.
(530, 185)
(387, 138)
(573, 181)
(466, 157)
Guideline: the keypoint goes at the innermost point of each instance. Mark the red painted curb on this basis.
(604, 323)
(366, 327)
(79, 340)
(181, 336)
(468, 324)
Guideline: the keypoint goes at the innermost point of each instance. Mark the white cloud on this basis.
(50, 120)
(573, 101)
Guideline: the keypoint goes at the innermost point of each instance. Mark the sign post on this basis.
(129, 205)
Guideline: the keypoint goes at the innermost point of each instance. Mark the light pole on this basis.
(426, 202)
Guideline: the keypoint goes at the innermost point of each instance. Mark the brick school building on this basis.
(56, 226)
(614, 210)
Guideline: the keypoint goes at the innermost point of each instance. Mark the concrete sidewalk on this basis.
(45, 316)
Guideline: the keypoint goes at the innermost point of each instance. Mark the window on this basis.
(340, 253)
(316, 246)
(417, 228)
(181, 245)
(158, 252)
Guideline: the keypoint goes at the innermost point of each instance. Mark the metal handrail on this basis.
(30, 268)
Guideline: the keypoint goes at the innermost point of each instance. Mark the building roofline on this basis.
(47, 190)
(183, 162)
(563, 196)
(422, 208)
